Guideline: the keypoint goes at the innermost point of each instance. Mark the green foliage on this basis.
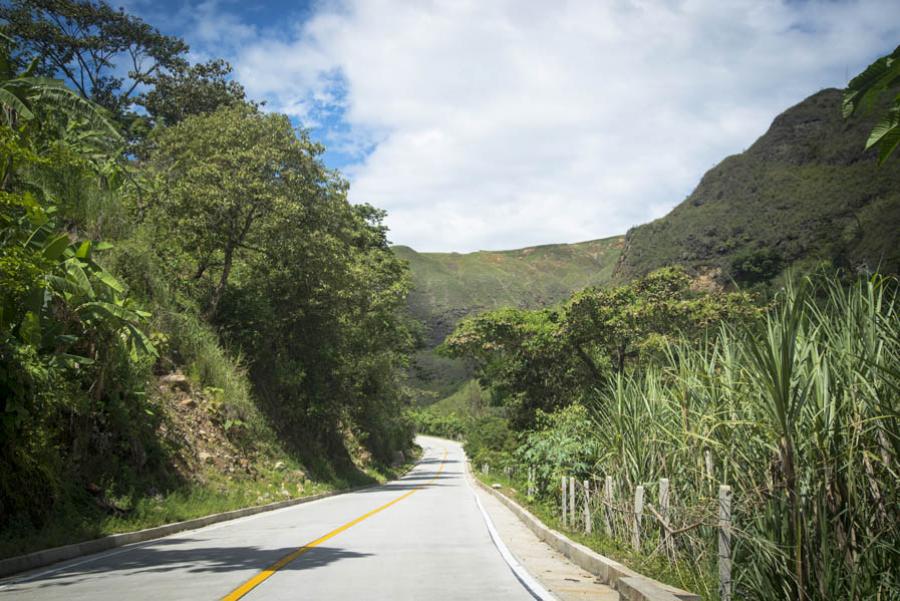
(799, 416)
(752, 267)
(544, 360)
(87, 41)
(260, 236)
(863, 92)
(447, 287)
(563, 443)
(489, 439)
(228, 251)
(445, 425)
(191, 90)
(73, 348)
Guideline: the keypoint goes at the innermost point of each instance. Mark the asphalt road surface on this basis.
(421, 537)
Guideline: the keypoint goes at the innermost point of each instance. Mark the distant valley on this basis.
(450, 286)
(805, 193)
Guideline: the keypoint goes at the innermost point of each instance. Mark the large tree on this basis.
(89, 44)
(191, 90)
(218, 178)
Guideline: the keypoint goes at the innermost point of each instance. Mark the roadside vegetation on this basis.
(192, 315)
(795, 408)
(760, 364)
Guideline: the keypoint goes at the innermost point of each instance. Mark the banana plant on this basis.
(23, 94)
(882, 76)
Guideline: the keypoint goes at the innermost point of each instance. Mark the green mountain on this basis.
(450, 286)
(804, 192)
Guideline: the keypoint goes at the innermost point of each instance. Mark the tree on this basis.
(616, 324)
(86, 41)
(217, 178)
(544, 360)
(521, 358)
(863, 91)
(191, 90)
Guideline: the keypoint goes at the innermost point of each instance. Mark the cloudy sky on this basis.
(489, 124)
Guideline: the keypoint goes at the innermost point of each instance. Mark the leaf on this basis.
(110, 310)
(79, 277)
(64, 286)
(887, 144)
(73, 361)
(10, 100)
(884, 127)
(107, 278)
(84, 250)
(55, 248)
(141, 341)
(30, 329)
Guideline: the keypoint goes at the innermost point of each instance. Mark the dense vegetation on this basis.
(449, 286)
(806, 192)
(784, 388)
(197, 235)
(798, 412)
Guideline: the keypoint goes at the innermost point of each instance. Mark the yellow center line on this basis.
(269, 571)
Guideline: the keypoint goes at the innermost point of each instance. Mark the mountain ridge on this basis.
(805, 191)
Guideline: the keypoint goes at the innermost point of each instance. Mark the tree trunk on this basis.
(223, 281)
(589, 363)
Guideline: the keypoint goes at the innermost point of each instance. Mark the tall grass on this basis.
(802, 417)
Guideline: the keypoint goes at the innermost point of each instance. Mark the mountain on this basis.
(450, 286)
(804, 192)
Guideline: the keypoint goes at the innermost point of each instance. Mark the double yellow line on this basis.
(249, 585)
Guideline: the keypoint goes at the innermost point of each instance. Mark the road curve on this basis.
(420, 537)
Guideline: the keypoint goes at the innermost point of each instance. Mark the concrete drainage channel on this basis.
(630, 585)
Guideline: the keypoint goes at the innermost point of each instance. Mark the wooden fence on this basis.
(648, 518)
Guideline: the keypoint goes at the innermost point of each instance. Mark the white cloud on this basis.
(504, 124)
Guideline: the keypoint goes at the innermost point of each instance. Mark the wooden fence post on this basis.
(725, 543)
(563, 494)
(664, 512)
(607, 508)
(638, 510)
(572, 500)
(587, 507)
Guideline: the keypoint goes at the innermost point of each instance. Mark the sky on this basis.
(492, 124)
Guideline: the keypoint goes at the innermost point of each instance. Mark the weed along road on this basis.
(420, 537)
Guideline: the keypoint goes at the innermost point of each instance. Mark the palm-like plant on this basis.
(23, 94)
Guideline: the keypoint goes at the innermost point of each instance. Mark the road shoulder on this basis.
(554, 571)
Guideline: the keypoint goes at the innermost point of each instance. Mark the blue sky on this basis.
(507, 123)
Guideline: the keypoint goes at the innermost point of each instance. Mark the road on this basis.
(420, 537)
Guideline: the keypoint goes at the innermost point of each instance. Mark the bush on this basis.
(751, 267)
(564, 443)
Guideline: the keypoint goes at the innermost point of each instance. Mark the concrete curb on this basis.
(45, 557)
(631, 585)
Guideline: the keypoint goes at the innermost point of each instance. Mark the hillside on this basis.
(805, 191)
(450, 286)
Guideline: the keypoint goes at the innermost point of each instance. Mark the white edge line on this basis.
(528, 581)
(13, 580)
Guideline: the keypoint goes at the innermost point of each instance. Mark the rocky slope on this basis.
(804, 192)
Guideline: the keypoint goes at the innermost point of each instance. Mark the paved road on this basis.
(429, 542)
